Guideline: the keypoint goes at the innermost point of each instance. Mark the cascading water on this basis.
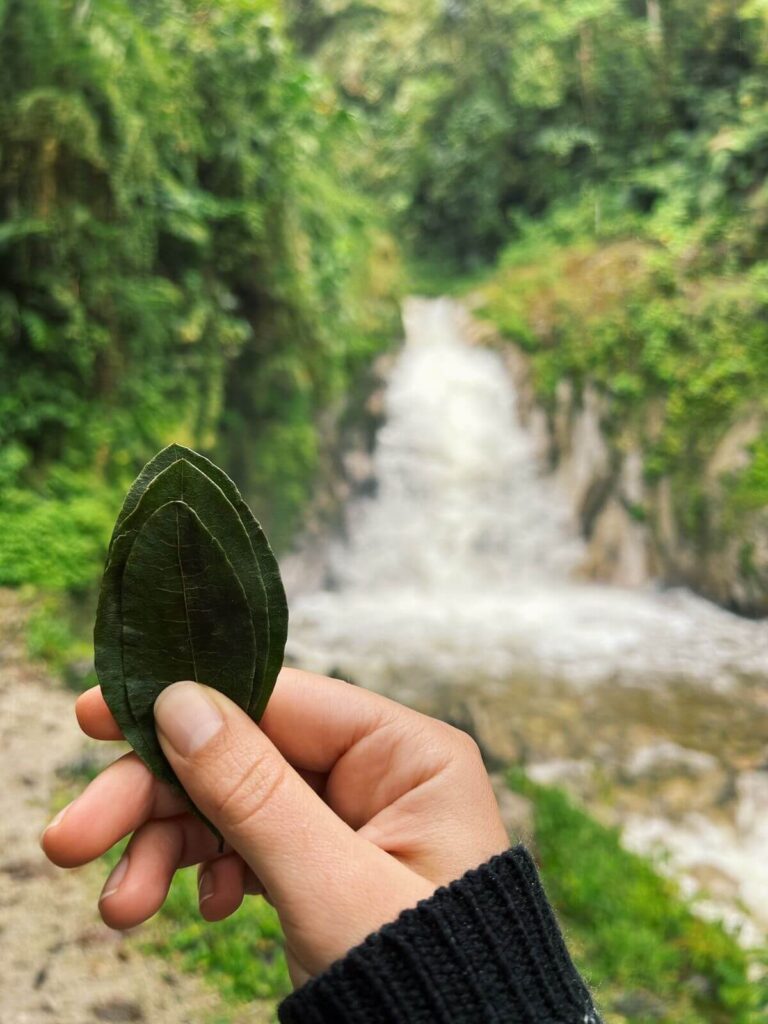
(455, 587)
(461, 563)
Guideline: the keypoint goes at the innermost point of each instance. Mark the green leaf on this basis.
(191, 590)
(277, 607)
(182, 481)
(184, 616)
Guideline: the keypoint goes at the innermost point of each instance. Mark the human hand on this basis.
(342, 807)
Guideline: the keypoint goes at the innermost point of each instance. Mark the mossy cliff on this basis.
(647, 387)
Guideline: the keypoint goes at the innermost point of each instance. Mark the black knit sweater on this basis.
(484, 950)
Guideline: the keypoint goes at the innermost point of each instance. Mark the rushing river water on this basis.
(457, 577)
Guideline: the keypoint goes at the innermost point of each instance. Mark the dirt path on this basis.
(59, 964)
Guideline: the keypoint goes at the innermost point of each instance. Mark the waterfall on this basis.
(462, 562)
(461, 504)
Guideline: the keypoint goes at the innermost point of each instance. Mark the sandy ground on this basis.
(59, 964)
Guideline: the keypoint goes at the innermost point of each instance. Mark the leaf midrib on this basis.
(184, 594)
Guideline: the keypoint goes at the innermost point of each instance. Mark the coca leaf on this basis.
(185, 616)
(191, 590)
(183, 482)
(277, 607)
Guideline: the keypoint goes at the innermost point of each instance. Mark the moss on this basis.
(679, 355)
(630, 931)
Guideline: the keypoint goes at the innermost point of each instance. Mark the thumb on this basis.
(312, 864)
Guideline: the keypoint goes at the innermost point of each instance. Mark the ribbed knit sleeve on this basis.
(484, 950)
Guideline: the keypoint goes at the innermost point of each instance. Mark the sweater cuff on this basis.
(485, 948)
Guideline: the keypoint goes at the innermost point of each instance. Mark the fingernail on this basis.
(186, 717)
(54, 822)
(205, 887)
(112, 884)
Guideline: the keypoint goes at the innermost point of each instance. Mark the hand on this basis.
(342, 807)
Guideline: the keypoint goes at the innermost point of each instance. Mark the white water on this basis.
(462, 562)
(459, 571)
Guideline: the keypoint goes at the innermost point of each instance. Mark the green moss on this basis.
(678, 352)
(242, 956)
(630, 931)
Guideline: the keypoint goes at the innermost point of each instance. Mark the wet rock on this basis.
(665, 757)
(575, 776)
(752, 806)
(714, 882)
(477, 713)
(641, 1004)
(676, 779)
(118, 1011)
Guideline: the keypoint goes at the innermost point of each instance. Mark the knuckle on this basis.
(465, 744)
(251, 787)
(454, 744)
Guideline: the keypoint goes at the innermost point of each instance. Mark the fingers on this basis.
(139, 883)
(115, 804)
(317, 871)
(311, 719)
(220, 886)
(94, 717)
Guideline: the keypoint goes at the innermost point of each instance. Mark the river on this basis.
(455, 588)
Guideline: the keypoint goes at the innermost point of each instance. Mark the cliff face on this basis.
(638, 528)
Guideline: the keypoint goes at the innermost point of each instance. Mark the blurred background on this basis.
(470, 297)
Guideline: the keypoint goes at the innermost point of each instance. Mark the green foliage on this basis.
(630, 930)
(180, 254)
(54, 536)
(482, 113)
(678, 353)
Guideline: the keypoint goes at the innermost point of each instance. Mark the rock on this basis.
(714, 882)
(641, 1004)
(752, 806)
(577, 777)
(118, 1011)
(665, 757)
(482, 714)
(675, 780)
(618, 548)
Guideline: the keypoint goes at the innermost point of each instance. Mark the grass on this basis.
(643, 951)
(242, 956)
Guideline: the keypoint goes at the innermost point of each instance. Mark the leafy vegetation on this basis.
(647, 956)
(612, 155)
(679, 358)
(195, 201)
(179, 257)
(485, 113)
